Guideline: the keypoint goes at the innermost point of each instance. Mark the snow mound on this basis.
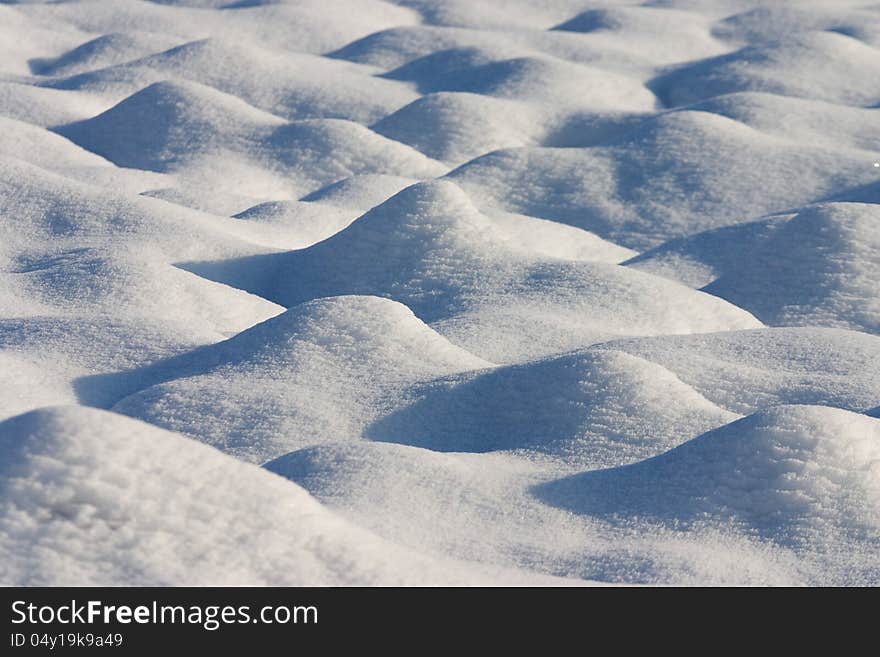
(105, 50)
(772, 23)
(174, 126)
(435, 260)
(481, 508)
(457, 126)
(44, 106)
(317, 373)
(664, 34)
(141, 131)
(809, 121)
(361, 192)
(818, 267)
(553, 81)
(592, 409)
(321, 152)
(491, 14)
(820, 65)
(118, 284)
(50, 208)
(674, 175)
(745, 371)
(797, 475)
(87, 496)
(63, 360)
(223, 203)
(28, 384)
(24, 37)
(44, 149)
(396, 47)
(302, 86)
(294, 224)
(308, 25)
(429, 248)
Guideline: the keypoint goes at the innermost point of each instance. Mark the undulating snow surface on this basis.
(440, 292)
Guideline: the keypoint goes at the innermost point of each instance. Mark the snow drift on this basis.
(508, 291)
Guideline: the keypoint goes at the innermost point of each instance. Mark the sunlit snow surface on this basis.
(440, 292)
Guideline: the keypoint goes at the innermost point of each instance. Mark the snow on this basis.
(431, 249)
(795, 475)
(214, 137)
(498, 292)
(596, 408)
(314, 374)
(433, 503)
(93, 498)
(824, 65)
(745, 371)
(675, 174)
(818, 267)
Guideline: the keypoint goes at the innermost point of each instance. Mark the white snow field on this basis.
(440, 292)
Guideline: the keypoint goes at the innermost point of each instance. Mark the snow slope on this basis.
(818, 267)
(796, 475)
(316, 373)
(597, 407)
(430, 248)
(509, 291)
(88, 498)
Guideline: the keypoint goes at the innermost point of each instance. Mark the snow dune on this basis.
(598, 407)
(818, 267)
(485, 508)
(673, 175)
(506, 292)
(316, 373)
(797, 475)
(745, 371)
(824, 65)
(205, 134)
(430, 248)
(94, 498)
(303, 86)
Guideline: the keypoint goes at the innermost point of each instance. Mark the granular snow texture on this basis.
(383, 292)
